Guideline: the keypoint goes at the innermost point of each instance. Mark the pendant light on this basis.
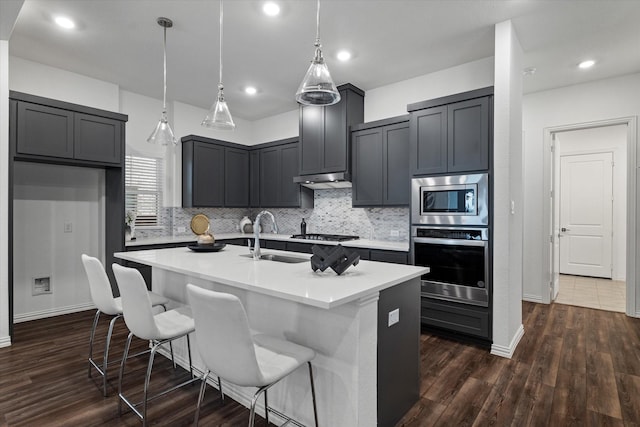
(219, 116)
(317, 87)
(163, 134)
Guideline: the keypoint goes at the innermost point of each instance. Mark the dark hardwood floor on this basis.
(574, 366)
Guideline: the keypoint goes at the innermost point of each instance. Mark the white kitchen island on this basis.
(362, 365)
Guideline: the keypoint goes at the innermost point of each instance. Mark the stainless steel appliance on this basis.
(459, 262)
(450, 200)
(325, 237)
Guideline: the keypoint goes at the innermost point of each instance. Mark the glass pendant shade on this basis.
(317, 87)
(219, 116)
(162, 134)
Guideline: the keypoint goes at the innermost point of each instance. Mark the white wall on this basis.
(280, 126)
(507, 192)
(590, 102)
(601, 139)
(5, 339)
(42, 80)
(391, 100)
(46, 197)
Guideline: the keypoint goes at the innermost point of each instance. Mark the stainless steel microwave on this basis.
(450, 200)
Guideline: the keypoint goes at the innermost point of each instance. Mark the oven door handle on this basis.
(459, 242)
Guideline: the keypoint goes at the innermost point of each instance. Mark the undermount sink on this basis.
(279, 258)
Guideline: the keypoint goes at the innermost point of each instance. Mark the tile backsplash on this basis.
(332, 213)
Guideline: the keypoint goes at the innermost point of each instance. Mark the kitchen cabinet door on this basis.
(428, 141)
(44, 131)
(312, 133)
(289, 192)
(367, 167)
(269, 176)
(208, 175)
(236, 178)
(394, 257)
(254, 178)
(97, 139)
(468, 135)
(395, 154)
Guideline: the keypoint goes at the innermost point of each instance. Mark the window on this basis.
(143, 189)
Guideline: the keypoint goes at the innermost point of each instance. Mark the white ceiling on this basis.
(119, 41)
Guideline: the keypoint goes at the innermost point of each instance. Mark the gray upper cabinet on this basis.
(50, 129)
(44, 131)
(97, 138)
(214, 173)
(236, 178)
(451, 134)
(381, 163)
(468, 135)
(324, 133)
(279, 163)
(254, 178)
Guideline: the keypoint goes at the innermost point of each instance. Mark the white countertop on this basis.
(359, 243)
(293, 282)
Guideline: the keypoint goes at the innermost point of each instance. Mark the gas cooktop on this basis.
(325, 237)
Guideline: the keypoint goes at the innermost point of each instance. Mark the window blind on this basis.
(143, 189)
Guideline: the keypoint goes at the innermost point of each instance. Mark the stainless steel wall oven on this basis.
(459, 262)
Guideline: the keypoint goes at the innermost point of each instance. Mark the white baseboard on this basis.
(500, 350)
(532, 298)
(43, 314)
(5, 341)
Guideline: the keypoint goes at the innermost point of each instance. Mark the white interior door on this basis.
(586, 214)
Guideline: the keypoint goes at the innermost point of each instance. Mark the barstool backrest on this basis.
(136, 303)
(99, 286)
(223, 336)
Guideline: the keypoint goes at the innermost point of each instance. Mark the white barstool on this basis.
(103, 299)
(160, 328)
(229, 350)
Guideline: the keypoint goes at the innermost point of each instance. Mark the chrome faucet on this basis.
(256, 232)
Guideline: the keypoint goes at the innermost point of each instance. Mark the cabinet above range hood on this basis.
(325, 148)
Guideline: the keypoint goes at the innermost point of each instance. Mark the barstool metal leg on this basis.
(124, 360)
(313, 394)
(266, 408)
(190, 362)
(146, 384)
(93, 333)
(203, 386)
(105, 359)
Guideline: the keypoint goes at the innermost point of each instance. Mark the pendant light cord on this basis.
(318, 25)
(221, 15)
(164, 92)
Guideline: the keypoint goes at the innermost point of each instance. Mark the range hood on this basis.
(325, 180)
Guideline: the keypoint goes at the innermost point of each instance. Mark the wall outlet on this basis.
(68, 227)
(394, 233)
(182, 229)
(394, 317)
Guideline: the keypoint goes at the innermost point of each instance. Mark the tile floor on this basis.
(592, 292)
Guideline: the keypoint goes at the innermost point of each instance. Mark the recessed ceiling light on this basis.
(250, 90)
(344, 55)
(64, 22)
(586, 64)
(271, 9)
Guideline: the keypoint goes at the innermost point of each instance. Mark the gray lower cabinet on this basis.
(451, 134)
(395, 257)
(450, 316)
(381, 163)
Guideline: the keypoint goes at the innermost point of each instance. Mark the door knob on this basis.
(564, 229)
